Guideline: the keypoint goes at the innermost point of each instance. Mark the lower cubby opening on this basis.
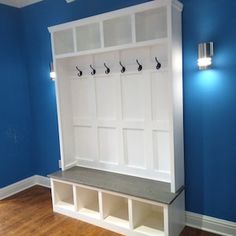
(115, 210)
(87, 202)
(63, 193)
(148, 219)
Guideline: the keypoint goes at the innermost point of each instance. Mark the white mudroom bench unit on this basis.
(120, 116)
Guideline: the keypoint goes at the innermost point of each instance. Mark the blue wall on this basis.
(15, 121)
(209, 96)
(210, 109)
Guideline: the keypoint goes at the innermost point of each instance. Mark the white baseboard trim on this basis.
(211, 224)
(206, 223)
(24, 184)
(42, 181)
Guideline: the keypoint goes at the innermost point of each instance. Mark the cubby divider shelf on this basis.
(148, 219)
(63, 195)
(87, 202)
(115, 210)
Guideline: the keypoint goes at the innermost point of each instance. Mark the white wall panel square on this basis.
(82, 98)
(161, 150)
(133, 97)
(108, 145)
(134, 148)
(85, 143)
(106, 98)
(160, 87)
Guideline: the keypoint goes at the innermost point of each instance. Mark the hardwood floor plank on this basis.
(29, 213)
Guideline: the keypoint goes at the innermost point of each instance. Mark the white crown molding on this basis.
(19, 3)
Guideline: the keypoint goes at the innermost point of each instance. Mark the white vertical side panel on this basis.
(175, 34)
(58, 112)
(64, 107)
(176, 216)
(53, 193)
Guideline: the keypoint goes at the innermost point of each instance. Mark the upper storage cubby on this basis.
(151, 24)
(63, 41)
(111, 31)
(117, 31)
(88, 37)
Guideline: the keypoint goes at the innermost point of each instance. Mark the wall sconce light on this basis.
(205, 54)
(52, 72)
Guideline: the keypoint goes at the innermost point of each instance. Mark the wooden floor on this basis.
(30, 213)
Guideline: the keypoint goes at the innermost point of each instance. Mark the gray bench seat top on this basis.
(129, 185)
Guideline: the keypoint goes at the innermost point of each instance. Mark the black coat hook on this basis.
(140, 67)
(93, 70)
(158, 66)
(123, 68)
(107, 71)
(80, 72)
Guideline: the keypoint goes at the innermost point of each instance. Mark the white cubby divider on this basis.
(118, 212)
(115, 210)
(148, 218)
(63, 195)
(87, 201)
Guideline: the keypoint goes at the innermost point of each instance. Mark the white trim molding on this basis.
(211, 224)
(24, 184)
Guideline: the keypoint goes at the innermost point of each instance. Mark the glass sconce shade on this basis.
(205, 54)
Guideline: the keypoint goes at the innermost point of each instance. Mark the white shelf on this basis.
(148, 218)
(66, 204)
(144, 230)
(87, 202)
(115, 210)
(63, 193)
(152, 225)
(119, 218)
(89, 213)
(113, 48)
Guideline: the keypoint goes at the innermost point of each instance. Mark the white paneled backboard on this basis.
(127, 122)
